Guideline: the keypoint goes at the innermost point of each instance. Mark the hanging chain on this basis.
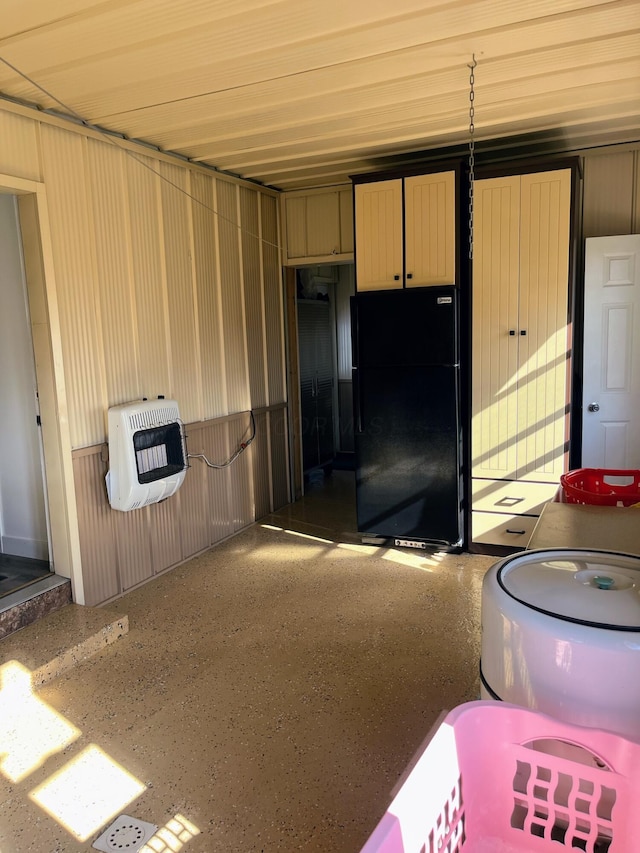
(472, 149)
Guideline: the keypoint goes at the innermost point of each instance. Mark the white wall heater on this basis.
(147, 453)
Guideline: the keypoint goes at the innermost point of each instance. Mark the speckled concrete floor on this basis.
(273, 689)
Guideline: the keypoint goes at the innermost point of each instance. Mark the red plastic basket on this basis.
(601, 487)
(496, 778)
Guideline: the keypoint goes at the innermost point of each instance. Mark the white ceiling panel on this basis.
(298, 93)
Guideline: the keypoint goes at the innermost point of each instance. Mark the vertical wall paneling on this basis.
(193, 499)
(211, 350)
(133, 547)
(105, 182)
(241, 486)
(19, 150)
(608, 206)
(147, 270)
(185, 371)
(214, 443)
(279, 448)
(164, 522)
(273, 302)
(215, 446)
(296, 221)
(194, 300)
(95, 519)
(156, 294)
(231, 291)
(346, 220)
(260, 462)
(252, 277)
(63, 158)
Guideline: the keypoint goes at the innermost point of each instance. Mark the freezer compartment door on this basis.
(397, 328)
(408, 454)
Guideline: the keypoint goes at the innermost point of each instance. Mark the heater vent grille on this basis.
(153, 417)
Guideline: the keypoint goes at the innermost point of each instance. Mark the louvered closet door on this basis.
(430, 250)
(495, 318)
(543, 350)
(378, 213)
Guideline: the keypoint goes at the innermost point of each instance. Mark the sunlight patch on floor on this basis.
(171, 837)
(309, 536)
(30, 730)
(87, 792)
(413, 560)
(366, 550)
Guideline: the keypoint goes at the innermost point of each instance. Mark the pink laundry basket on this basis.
(496, 778)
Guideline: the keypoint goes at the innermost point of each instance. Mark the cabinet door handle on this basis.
(409, 275)
(523, 331)
(512, 332)
(516, 532)
(396, 278)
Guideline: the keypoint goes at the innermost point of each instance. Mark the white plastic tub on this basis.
(561, 634)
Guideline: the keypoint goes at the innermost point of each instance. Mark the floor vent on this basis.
(126, 835)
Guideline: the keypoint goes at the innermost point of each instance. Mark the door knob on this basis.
(594, 407)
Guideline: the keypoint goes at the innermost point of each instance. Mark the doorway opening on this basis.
(24, 527)
(322, 371)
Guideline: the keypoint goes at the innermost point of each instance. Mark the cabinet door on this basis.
(318, 225)
(430, 241)
(495, 327)
(378, 213)
(542, 340)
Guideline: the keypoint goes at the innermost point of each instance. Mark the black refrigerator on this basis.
(406, 382)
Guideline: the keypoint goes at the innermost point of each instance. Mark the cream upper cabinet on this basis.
(405, 232)
(520, 346)
(318, 225)
(430, 220)
(378, 210)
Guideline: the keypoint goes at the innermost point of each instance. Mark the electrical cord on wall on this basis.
(241, 449)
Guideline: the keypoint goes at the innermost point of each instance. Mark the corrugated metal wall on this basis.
(164, 286)
(611, 192)
(162, 293)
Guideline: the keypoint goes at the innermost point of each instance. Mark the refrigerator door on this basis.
(408, 453)
(406, 327)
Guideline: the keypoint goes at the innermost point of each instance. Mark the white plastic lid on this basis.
(594, 587)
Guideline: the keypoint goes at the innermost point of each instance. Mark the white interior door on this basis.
(611, 389)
